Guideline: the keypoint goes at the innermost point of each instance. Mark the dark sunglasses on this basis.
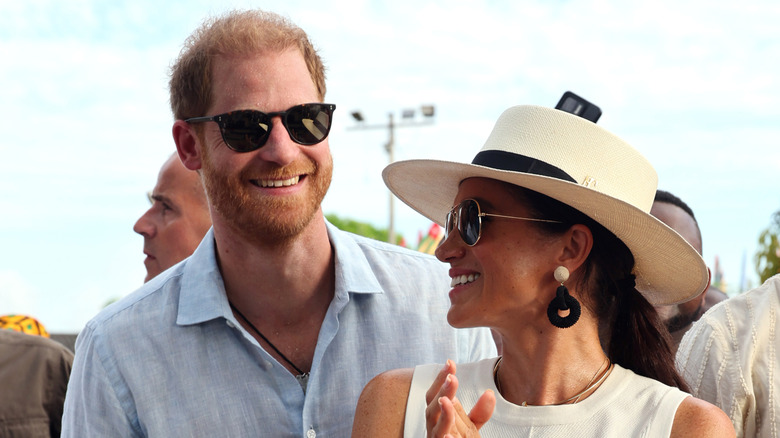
(248, 130)
(467, 216)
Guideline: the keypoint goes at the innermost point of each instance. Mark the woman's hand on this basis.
(445, 417)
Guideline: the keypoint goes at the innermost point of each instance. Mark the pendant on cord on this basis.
(303, 380)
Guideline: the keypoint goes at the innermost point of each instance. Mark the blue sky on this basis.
(85, 122)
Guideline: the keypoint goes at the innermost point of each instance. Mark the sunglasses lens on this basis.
(449, 224)
(245, 131)
(469, 222)
(310, 123)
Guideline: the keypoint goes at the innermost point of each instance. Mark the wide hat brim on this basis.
(616, 188)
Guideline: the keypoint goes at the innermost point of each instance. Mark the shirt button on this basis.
(230, 324)
(311, 433)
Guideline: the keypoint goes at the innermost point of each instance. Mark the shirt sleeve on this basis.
(92, 408)
(474, 345)
(710, 360)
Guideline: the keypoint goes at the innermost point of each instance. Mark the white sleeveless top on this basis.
(625, 405)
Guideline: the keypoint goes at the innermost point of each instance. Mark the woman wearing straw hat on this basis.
(550, 244)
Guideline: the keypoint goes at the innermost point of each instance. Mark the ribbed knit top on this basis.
(626, 404)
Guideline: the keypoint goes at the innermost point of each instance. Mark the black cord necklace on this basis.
(301, 374)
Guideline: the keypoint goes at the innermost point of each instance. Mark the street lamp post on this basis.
(407, 116)
(389, 148)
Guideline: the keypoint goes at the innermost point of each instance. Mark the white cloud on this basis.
(17, 295)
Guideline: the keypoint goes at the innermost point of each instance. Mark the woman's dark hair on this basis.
(636, 338)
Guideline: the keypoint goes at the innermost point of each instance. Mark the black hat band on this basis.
(503, 160)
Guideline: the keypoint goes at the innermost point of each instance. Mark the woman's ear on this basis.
(187, 145)
(577, 243)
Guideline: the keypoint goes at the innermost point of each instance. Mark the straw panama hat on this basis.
(577, 162)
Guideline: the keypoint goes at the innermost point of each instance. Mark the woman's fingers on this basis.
(445, 416)
(447, 390)
(433, 390)
(446, 423)
(453, 421)
(432, 410)
(483, 409)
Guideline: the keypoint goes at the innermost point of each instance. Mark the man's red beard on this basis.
(263, 219)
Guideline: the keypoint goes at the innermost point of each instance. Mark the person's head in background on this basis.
(675, 213)
(177, 220)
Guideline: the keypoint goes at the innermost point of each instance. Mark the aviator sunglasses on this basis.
(467, 216)
(248, 130)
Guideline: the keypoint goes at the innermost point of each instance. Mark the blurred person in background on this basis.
(177, 220)
(34, 372)
(729, 358)
(678, 318)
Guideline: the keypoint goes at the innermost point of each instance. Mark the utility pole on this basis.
(407, 117)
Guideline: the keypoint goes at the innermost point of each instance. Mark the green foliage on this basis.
(768, 255)
(362, 229)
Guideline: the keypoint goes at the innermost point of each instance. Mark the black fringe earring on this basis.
(563, 302)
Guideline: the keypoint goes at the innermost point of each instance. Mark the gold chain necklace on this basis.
(576, 397)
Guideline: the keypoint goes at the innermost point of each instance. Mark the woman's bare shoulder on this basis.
(381, 408)
(696, 417)
(392, 380)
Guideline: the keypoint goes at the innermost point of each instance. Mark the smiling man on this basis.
(177, 220)
(278, 319)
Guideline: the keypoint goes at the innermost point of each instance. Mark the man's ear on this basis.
(187, 145)
(577, 243)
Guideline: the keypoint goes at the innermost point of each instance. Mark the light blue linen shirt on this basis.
(170, 359)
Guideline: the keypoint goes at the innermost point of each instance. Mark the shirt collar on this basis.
(202, 296)
(354, 273)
